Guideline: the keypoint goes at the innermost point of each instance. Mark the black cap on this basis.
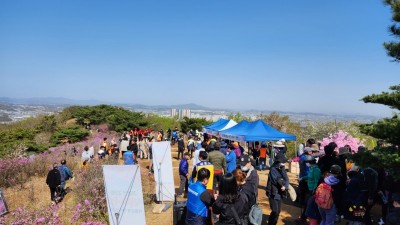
(243, 160)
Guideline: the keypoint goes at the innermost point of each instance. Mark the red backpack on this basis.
(323, 196)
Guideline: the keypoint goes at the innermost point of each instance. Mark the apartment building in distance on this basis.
(181, 113)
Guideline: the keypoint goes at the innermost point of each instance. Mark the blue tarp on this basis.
(237, 132)
(217, 123)
(254, 131)
(260, 131)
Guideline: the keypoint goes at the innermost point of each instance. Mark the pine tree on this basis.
(393, 48)
(387, 129)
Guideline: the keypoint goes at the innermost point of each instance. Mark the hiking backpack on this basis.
(323, 196)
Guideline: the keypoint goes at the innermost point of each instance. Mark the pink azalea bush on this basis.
(91, 207)
(23, 216)
(17, 171)
(342, 138)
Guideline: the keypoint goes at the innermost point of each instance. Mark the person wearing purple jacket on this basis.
(183, 174)
(237, 151)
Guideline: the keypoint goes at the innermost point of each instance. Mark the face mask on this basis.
(308, 164)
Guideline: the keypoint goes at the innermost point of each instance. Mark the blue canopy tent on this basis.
(254, 131)
(260, 130)
(209, 128)
(223, 126)
(236, 133)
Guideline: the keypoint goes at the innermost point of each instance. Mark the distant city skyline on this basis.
(277, 56)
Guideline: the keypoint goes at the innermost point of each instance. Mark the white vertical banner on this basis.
(124, 194)
(163, 174)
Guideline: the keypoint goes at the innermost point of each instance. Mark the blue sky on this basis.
(301, 56)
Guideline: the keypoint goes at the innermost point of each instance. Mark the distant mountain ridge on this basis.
(60, 101)
(91, 102)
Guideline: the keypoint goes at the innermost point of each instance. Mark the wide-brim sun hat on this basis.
(278, 144)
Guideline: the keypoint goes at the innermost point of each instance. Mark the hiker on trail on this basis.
(327, 197)
(198, 143)
(86, 156)
(393, 217)
(150, 147)
(74, 151)
(230, 204)
(247, 167)
(169, 134)
(203, 155)
(304, 192)
(230, 159)
(143, 153)
(245, 188)
(278, 147)
(255, 152)
(181, 147)
(128, 157)
(196, 158)
(277, 184)
(325, 162)
(183, 174)
(262, 157)
(354, 199)
(219, 162)
(159, 136)
(311, 182)
(102, 152)
(105, 144)
(223, 147)
(65, 174)
(199, 199)
(191, 146)
(134, 149)
(174, 136)
(284, 148)
(237, 151)
(124, 143)
(371, 184)
(53, 180)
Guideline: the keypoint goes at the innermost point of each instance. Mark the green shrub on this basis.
(69, 135)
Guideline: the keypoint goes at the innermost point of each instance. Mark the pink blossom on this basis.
(40, 220)
(342, 138)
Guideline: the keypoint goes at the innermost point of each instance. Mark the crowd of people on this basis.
(332, 187)
(222, 185)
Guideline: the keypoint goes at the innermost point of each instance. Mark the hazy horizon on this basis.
(285, 56)
(96, 102)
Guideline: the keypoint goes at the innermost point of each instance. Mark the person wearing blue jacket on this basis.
(183, 174)
(230, 159)
(128, 157)
(65, 173)
(199, 200)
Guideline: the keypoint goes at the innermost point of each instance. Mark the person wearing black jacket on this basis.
(277, 184)
(53, 180)
(325, 162)
(181, 147)
(134, 148)
(393, 217)
(231, 205)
